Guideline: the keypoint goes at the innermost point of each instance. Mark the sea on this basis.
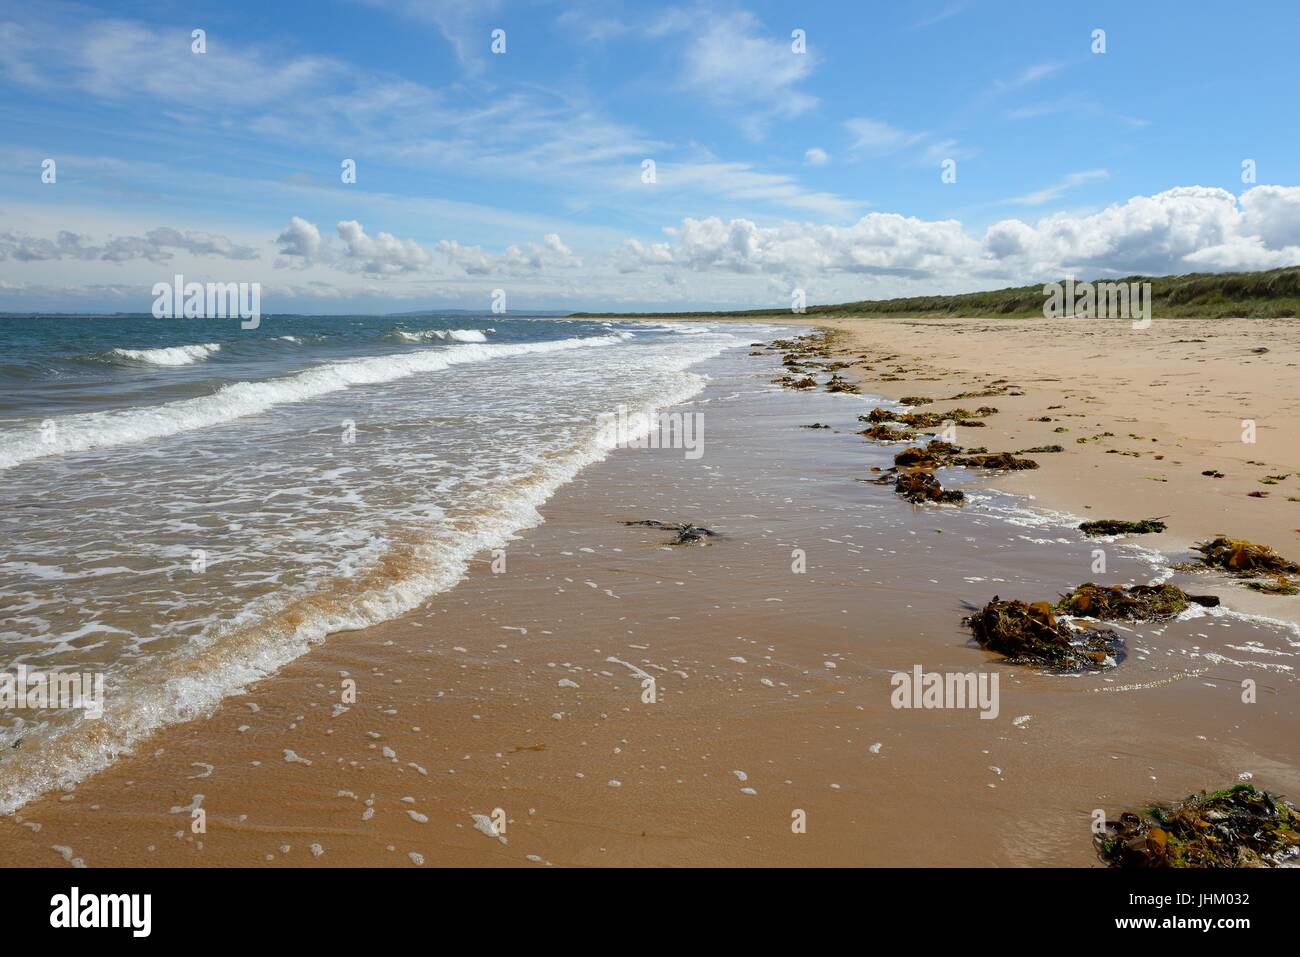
(189, 505)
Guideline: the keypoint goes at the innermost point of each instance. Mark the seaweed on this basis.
(1118, 526)
(883, 432)
(997, 460)
(1278, 586)
(1031, 634)
(915, 457)
(1138, 603)
(1237, 827)
(918, 487)
(929, 420)
(1243, 558)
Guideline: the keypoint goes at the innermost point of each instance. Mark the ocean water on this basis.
(189, 505)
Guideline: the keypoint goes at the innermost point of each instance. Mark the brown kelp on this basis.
(1136, 603)
(1237, 827)
(1032, 634)
(1117, 526)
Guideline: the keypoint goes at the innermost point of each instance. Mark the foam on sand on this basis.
(270, 632)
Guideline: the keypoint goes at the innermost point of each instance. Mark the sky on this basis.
(635, 156)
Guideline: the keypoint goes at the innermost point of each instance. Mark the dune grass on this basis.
(1272, 294)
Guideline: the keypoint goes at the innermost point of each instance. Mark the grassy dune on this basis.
(1258, 295)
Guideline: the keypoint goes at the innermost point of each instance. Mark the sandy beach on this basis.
(769, 738)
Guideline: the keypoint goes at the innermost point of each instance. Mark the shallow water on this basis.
(189, 508)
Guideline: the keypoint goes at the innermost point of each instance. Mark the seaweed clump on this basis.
(919, 486)
(1138, 603)
(928, 420)
(1238, 827)
(1116, 526)
(1244, 558)
(1031, 634)
(883, 432)
(996, 460)
(1278, 586)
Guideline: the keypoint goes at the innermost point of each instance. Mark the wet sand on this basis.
(524, 690)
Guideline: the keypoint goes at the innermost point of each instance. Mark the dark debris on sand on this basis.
(1237, 827)
(920, 486)
(1031, 634)
(996, 460)
(1136, 603)
(1244, 558)
(1117, 526)
(686, 534)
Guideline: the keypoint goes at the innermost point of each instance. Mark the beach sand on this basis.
(523, 690)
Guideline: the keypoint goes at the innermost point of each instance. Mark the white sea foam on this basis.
(93, 430)
(449, 335)
(171, 355)
(269, 633)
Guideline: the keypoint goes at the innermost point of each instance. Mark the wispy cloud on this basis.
(1029, 75)
(460, 22)
(940, 15)
(1049, 193)
(732, 61)
(870, 137)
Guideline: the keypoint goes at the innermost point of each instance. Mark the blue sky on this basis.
(775, 170)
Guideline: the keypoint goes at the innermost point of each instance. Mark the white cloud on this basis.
(1027, 76)
(1180, 230)
(725, 262)
(384, 254)
(732, 61)
(156, 246)
(876, 138)
(459, 21)
(816, 156)
(1049, 193)
(300, 238)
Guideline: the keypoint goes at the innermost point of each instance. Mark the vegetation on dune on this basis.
(1271, 294)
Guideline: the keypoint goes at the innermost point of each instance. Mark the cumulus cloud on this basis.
(1179, 230)
(300, 239)
(550, 253)
(384, 254)
(156, 246)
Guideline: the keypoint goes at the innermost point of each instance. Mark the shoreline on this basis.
(1114, 471)
(523, 691)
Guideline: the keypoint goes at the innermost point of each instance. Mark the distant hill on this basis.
(1272, 294)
